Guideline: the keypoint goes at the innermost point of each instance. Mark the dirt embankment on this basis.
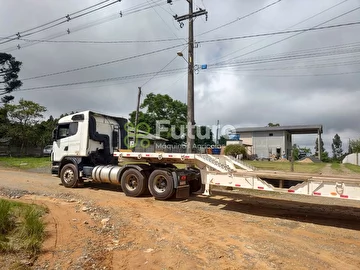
(98, 227)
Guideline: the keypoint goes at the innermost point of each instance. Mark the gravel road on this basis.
(98, 227)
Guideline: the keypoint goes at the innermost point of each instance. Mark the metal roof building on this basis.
(276, 141)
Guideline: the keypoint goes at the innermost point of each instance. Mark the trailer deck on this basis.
(220, 170)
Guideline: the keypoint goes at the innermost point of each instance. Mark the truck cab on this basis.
(86, 146)
(87, 138)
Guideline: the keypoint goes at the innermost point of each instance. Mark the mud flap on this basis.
(183, 192)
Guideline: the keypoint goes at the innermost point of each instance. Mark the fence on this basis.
(15, 151)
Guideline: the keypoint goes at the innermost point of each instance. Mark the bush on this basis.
(21, 227)
(235, 149)
(6, 220)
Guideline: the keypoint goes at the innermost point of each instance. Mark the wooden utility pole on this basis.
(137, 114)
(292, 160)
(190, 93)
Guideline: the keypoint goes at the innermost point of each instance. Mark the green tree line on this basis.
(24, 125)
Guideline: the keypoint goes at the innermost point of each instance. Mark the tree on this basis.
(300, 152)
(295, 149)
(162, 112)
(222, 140)
(336, 147)
(44, 132)
(273, 125)
(23, 117)
(355, 146)
(350, 150)
(9, 69)
(317, 146)
(235, 149)
(4, 122)
(324, 154)
(203, 136)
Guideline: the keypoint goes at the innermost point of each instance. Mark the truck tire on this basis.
(69, 176)
(195, 185)
(133, 183)
(161, 184)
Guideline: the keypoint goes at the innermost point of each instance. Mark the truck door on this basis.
(66, 143)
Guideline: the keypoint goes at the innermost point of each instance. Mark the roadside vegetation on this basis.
(336, 167)
(352, 167)
(25, 162)
(21, 229)
(286, 166)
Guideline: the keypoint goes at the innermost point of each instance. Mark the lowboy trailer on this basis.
(92, 146)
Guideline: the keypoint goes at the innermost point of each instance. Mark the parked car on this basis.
(47, 150)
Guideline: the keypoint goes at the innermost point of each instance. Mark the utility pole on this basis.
(217, 132)
(190, 93)
(137, 114)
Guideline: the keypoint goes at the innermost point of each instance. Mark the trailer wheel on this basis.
(69, 176)
(133, 183)
(161, 184)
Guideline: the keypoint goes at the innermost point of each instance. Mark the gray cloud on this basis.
(236, 97)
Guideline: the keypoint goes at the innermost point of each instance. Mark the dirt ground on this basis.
(98, 227)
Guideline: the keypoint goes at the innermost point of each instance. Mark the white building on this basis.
(268, 142)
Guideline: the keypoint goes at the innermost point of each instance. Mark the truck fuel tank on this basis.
(107, 174)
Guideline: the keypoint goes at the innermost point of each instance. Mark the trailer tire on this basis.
(69, 175)
(133, 183)
(161, 184)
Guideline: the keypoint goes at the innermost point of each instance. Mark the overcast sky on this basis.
(310, 78)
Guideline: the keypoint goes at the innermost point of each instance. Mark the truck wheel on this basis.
(133, 183)
(69, 176)
(195, 185)
(161, 184)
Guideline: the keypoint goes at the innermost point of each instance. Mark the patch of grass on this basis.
(352, 167)
(22, 228)
(336, 167)
(286, 166)
(25, 162)
(6, 220)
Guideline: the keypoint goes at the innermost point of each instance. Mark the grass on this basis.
(286, 166)
(21, 227)
(336, 167)
(352, 167)
(25, 162)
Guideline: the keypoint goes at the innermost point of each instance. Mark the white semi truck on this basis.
(90, 146)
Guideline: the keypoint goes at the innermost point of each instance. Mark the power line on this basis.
(66, 19)
(201, 41)
(101, 42)
(53, 21)
(296, 24)
(175, 46)
(280, 32)
(290, 56)
(126, 12)
(104, 63)
(172, 60)
(297, 75)
(240, 18)
(316, 27)
(293, 55)
(105, 80)
(171, 30)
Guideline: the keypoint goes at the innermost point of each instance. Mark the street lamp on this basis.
(182, 55)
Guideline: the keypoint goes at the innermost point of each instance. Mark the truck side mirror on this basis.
(115, 139)
(54, 134)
